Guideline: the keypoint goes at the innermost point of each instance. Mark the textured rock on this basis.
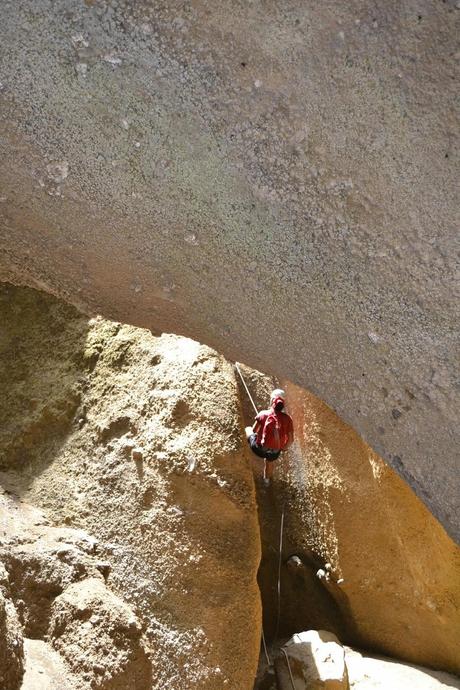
(176, 519)
(99, 637)
(177, 168)
(11, 641)
(41, 561)
(55, 579)
(316, 660)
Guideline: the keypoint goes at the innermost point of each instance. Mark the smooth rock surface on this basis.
(362, 556)
(367, 672)
(278, 182)
(45, 669)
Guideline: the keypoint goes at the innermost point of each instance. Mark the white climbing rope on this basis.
(279, 574)
(247, 389)
(256, 411)
(265, 648)
(289, 668)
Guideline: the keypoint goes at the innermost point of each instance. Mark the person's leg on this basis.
(268, 469)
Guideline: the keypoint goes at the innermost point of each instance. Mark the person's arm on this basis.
(290, 440)
(256, 426)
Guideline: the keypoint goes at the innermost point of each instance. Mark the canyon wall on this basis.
(401, 587)
(139, 441)
(393, 585)
(275, 180)
(136, 440)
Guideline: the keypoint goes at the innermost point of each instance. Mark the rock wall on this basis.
(274, 180)
(137, 440)
(44, 569)
(344, 506)
(11, 639)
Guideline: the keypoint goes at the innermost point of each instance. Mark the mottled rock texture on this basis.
(276, 180)
(54, 595)
(11, 639)
(137, 440)
(99, 637)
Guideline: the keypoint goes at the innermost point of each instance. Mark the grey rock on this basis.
(308, 150)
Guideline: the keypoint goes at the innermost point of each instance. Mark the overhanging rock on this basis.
(275, 182)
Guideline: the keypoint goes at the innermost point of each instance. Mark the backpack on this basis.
(271, 437)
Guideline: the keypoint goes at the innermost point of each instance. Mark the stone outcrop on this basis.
(53, 592)
(277, 183)
(11, 640)
(99, 637)
(149, 460)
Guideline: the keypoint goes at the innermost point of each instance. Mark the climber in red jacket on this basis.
(272, 432)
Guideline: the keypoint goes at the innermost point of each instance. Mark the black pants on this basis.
(262, 452)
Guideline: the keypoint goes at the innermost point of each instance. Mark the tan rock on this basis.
(11, 645)
(401, 586)
(179, 529)
(99, 637)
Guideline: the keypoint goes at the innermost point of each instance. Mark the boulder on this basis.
(99, 637)
(179, 528)
(41, 561)
(316, 660)
(178, 168)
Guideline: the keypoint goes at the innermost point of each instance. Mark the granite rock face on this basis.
(11, 641)
(99, 637)
(136, 441)
(198, 170)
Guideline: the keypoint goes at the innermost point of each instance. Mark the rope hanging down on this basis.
(256, 411)
(279, 560)
(247, 389)
(279, 575)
